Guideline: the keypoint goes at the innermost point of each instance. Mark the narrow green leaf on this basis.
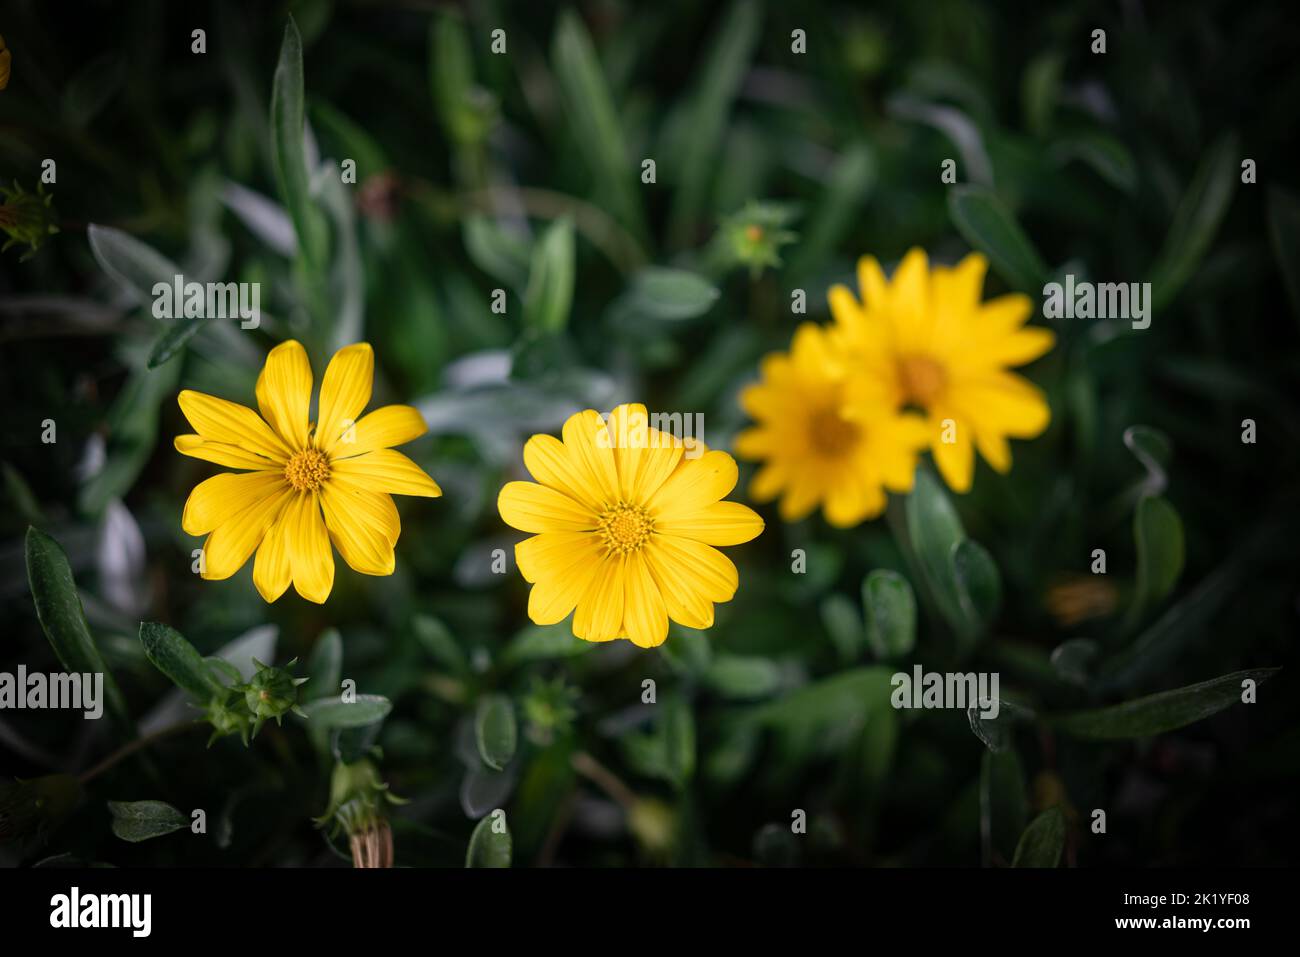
(1004, 806)
(1158, 532)
(1109, 157)
(1043, 841)
(334, 712)
(180, 661)
(988, 226)
(173, 340)
(58, 607)
(495, 730)
(1153, 449)
(542, 643)
(549, 295)
(677, 726)
(134, 265)
(325, 666)
(978, 583)
(502, 255)
(1284, 233)
(742, 677)
(1196, 220)
(490, 845)
(843, 625)
(1158, 713)
(889, 610)
(137, 821)
(669, 294)
(288, 151)
(593, 119)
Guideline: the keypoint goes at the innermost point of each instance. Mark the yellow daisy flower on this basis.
(344, 469)
(812, 451)
(625, 518)
(926, 340)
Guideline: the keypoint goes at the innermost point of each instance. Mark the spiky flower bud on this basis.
(753, 237)
(271, 693)
(356, 808)
(26, 218)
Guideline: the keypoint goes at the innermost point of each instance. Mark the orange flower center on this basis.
(307, 470)
(831, 433)
(922, 380)
(625, 528)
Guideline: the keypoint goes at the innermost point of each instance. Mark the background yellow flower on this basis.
(625, 521)
(812, 453)
(928, 342)
(308, 486)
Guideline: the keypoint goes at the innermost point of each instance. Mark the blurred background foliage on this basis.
(774, 170)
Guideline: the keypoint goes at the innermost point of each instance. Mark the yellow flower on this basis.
(625, 519)
(343, 467)
(925, 340)
(812, 452)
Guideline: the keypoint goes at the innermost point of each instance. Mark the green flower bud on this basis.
(26, 218)
(753, 237)
(271, 693)
(228, 715)
(357, 801)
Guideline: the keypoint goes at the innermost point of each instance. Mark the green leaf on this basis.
(677, 727)
(334, 712)
(543, 643)
(724, 69)
(1196, 220)
(889, 610)
(843, 625)
(669, 294)
(495, 730)
(175, 657)
(438, 643)
(589, 108)
(988, 226)
(1040, 89)
(996, 731)
(978, 584)
(549, 295)
(325, 666)
(465, 109)
(58, 607)
(1158, 713)
(848, 184)
(487, 846)
(137, 821)
(1158, 532)
(1105, 154)
(501, 254)
(91, 88)
(1043, 841)
(1284, 233)
(933, 530)
(288, 151)
(742, 677)
(1153, 449)
(1004, 806)
(134, 265)
(173, 340)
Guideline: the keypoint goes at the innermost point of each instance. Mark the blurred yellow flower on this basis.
(925, 340)
(343, 467)
(812, 452)
(4, 64)
(625, 518)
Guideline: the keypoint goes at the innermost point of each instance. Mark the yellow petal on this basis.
(386, 470)
(686, 604)
(366, 546)
(310, 557)
(722, 523)
(231, 456)
(271, 569)
(1007, 403)
(599, 615)
(232, 424)
(587, 439)
(1019, 347)
(643, 456)
(374, 508)
(994, 450)
(561, 566)
(645, 616)
(956, 459)
(530, 507)
(381, 429)
(222, 497)
(553, 464)
(344, 392)
(284, 392)
(695, 484)
(709, 572)
(233, 541)
(872, 283)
